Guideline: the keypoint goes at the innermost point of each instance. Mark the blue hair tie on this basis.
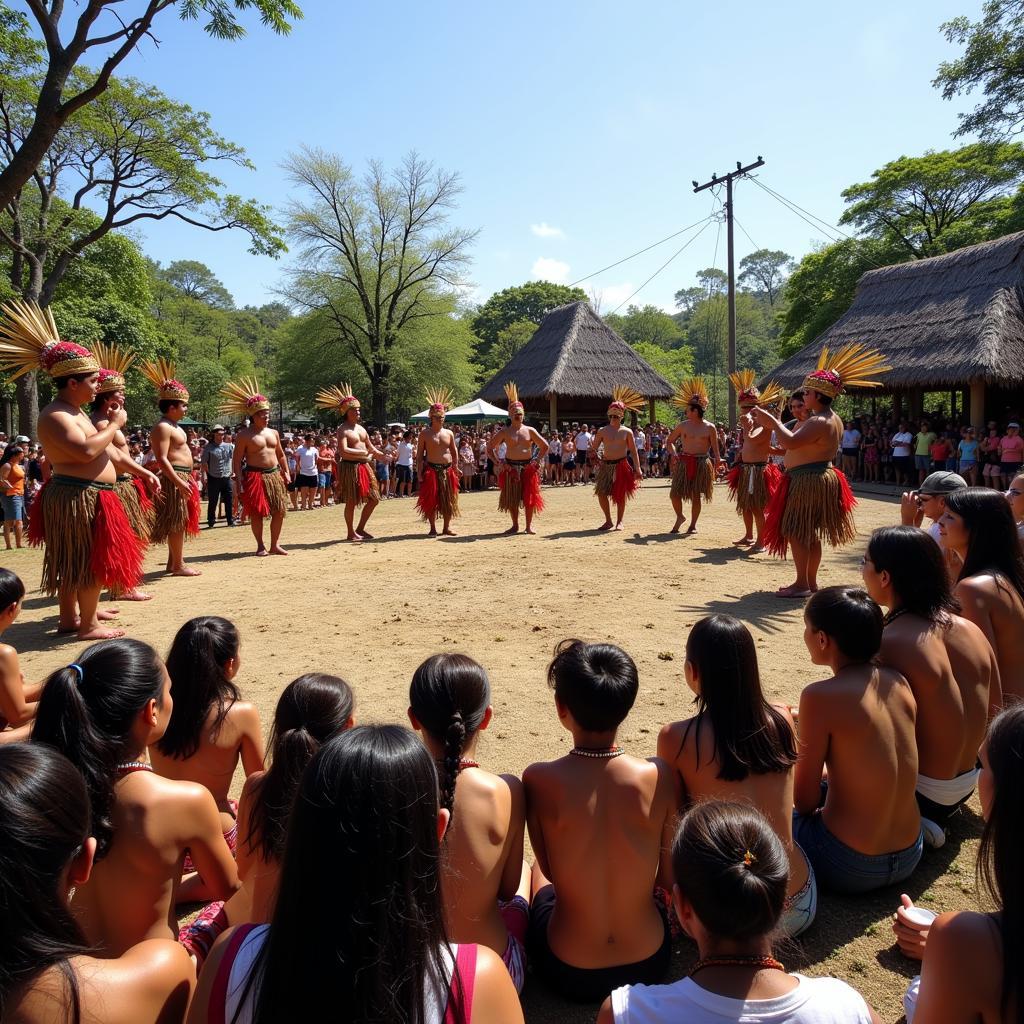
(78, 669)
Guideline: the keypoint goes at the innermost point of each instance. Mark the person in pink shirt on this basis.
(1011, 452)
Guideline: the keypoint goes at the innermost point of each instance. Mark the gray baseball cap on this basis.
(942, 482)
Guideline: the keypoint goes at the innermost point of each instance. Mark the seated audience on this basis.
(731, 870)
(363, 849)
(978, 524)
(102, 712)
(861, 828)
(598, 820)
(18, 700)
(48, 972)
(739, 747)
(485, 883)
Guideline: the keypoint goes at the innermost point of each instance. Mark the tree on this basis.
(687, 299)
(673, 364)
(712, 280)
(103, 27)
(993, 60)
(649, 324)
(510, 340)
(197, 281)
(531, 301)
(765, 271)
(939, 201)
(373, 253)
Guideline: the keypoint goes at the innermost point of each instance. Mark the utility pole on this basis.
(728, 179)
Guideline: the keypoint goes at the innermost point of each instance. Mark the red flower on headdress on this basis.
(61, 351)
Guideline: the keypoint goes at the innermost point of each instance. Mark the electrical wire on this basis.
(746, 232)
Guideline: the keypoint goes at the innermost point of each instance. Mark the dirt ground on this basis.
(372, 612)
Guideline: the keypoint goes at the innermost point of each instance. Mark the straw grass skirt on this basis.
(138, 505)
(692, 478)
(812, 504)
(520, 487)
(751, 485)
(616, 480)
(264, 494)
(176, 513)
(439, 492)
(357, 483)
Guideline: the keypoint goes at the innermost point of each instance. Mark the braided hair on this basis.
(450, 695)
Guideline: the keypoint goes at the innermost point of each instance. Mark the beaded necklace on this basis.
(132, 766)
(760, 962)
(893, 615)
(604, 752)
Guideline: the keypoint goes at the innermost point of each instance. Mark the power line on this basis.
(797, 206)
(746, 232)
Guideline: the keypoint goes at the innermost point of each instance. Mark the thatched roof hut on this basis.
(567, 370)
(949, 323)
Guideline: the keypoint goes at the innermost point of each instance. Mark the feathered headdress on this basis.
(340, 399)
(439, 400)
(161, 375)
(242, 398)
(691, 392)
(114, 365)
(749, 395)
(29, 340)
(851, 367)
(512, 394)
(625, 399)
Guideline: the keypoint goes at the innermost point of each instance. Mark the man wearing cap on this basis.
(929, 501)
(215, 466)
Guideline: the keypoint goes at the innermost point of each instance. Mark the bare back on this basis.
(991, 603)
(254, 901)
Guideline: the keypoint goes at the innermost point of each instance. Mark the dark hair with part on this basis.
(166, 404)
(89, 719)
(12, 590)
(994, 546)
(366, 813)
(60, 383)
(450, 694)
(598, 683)
(732, 869)
(849, 617)
(916, 568)
(46, 823)
(750, 736)
(196, 663)
(9, 452)
(311, 710)
(998, 864)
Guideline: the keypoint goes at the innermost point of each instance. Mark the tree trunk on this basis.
(28, 404)
(379, 399)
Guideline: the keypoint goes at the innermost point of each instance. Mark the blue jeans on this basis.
(842, 869)
(14, 507)
(801, 908)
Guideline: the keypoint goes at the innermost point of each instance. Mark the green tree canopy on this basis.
(531, 301)
(765, 271)
(673, 364)
(197, 281)
(647, 323)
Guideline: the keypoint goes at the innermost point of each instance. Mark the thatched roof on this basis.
(941, 322)
(575, 354)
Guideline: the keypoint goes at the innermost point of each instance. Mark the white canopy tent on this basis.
(478, 409)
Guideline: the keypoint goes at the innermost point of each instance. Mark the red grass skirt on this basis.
(812, 504)
(263, 494)
(439, 493)
(520, 487)
(616, 480)
(752, 484)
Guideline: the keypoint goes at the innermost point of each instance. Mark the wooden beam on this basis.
(977, 411)
(650, 410)
(553, 412)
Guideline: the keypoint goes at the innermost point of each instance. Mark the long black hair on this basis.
(917, 569)
(9, 452)
(46, 823)
(450, 694)
(201, 649)
(310, 710)
(86, 711)
(994, 546)
(12, 590)
(751, 737)
(999, 854)
(363, 851)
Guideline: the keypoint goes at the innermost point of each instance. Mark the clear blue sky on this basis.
(576, 127)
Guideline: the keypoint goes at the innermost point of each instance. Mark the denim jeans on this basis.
(840, 868)
(218, 487)
(802, 907)
(14, 507)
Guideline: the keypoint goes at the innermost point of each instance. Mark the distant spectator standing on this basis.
(215, 466)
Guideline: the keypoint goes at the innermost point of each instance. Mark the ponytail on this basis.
(454, 742)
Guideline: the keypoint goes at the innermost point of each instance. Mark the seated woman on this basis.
(732, 881)
(861, 829)
(486, 884)
(978, 525)
(739, 747)
(45, 961)
(18, 700)
(102, 712)
(985, 948)
(211, 730)
(363, 848)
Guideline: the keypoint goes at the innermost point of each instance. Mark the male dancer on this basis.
(693, 476)
(518, 477)
(813, 500)
(89, 541)
(617, 480)
(177, 504)
(357, 482)
(438, 460)
(132, 479)
(753, 478)
(266, 475)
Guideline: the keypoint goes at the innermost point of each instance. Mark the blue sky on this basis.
(576, 127)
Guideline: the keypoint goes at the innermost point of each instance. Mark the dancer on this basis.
(177, 504)
(132, 479)
(266, 475)
(438, 460)
(518, 476)
(752, 481)
(693, 476)
(89, 541)
(813, 500)
(357, 482)
(617, 480)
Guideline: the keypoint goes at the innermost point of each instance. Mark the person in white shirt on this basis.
(583, 442)
(732, 873)
(902, 457)
(307, 481)
(403, 465)
(850, 445)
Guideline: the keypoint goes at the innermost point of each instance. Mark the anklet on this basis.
(603, 752)
(762, 962)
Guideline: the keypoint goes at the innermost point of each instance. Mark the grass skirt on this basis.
(89, 541)
(357, 483)
(692, 478)
(174, 512)
(264, 494)
(752, 484)
(138, 506)
(616, 480)
(520, 487)
(812, 503)
(439, 493)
